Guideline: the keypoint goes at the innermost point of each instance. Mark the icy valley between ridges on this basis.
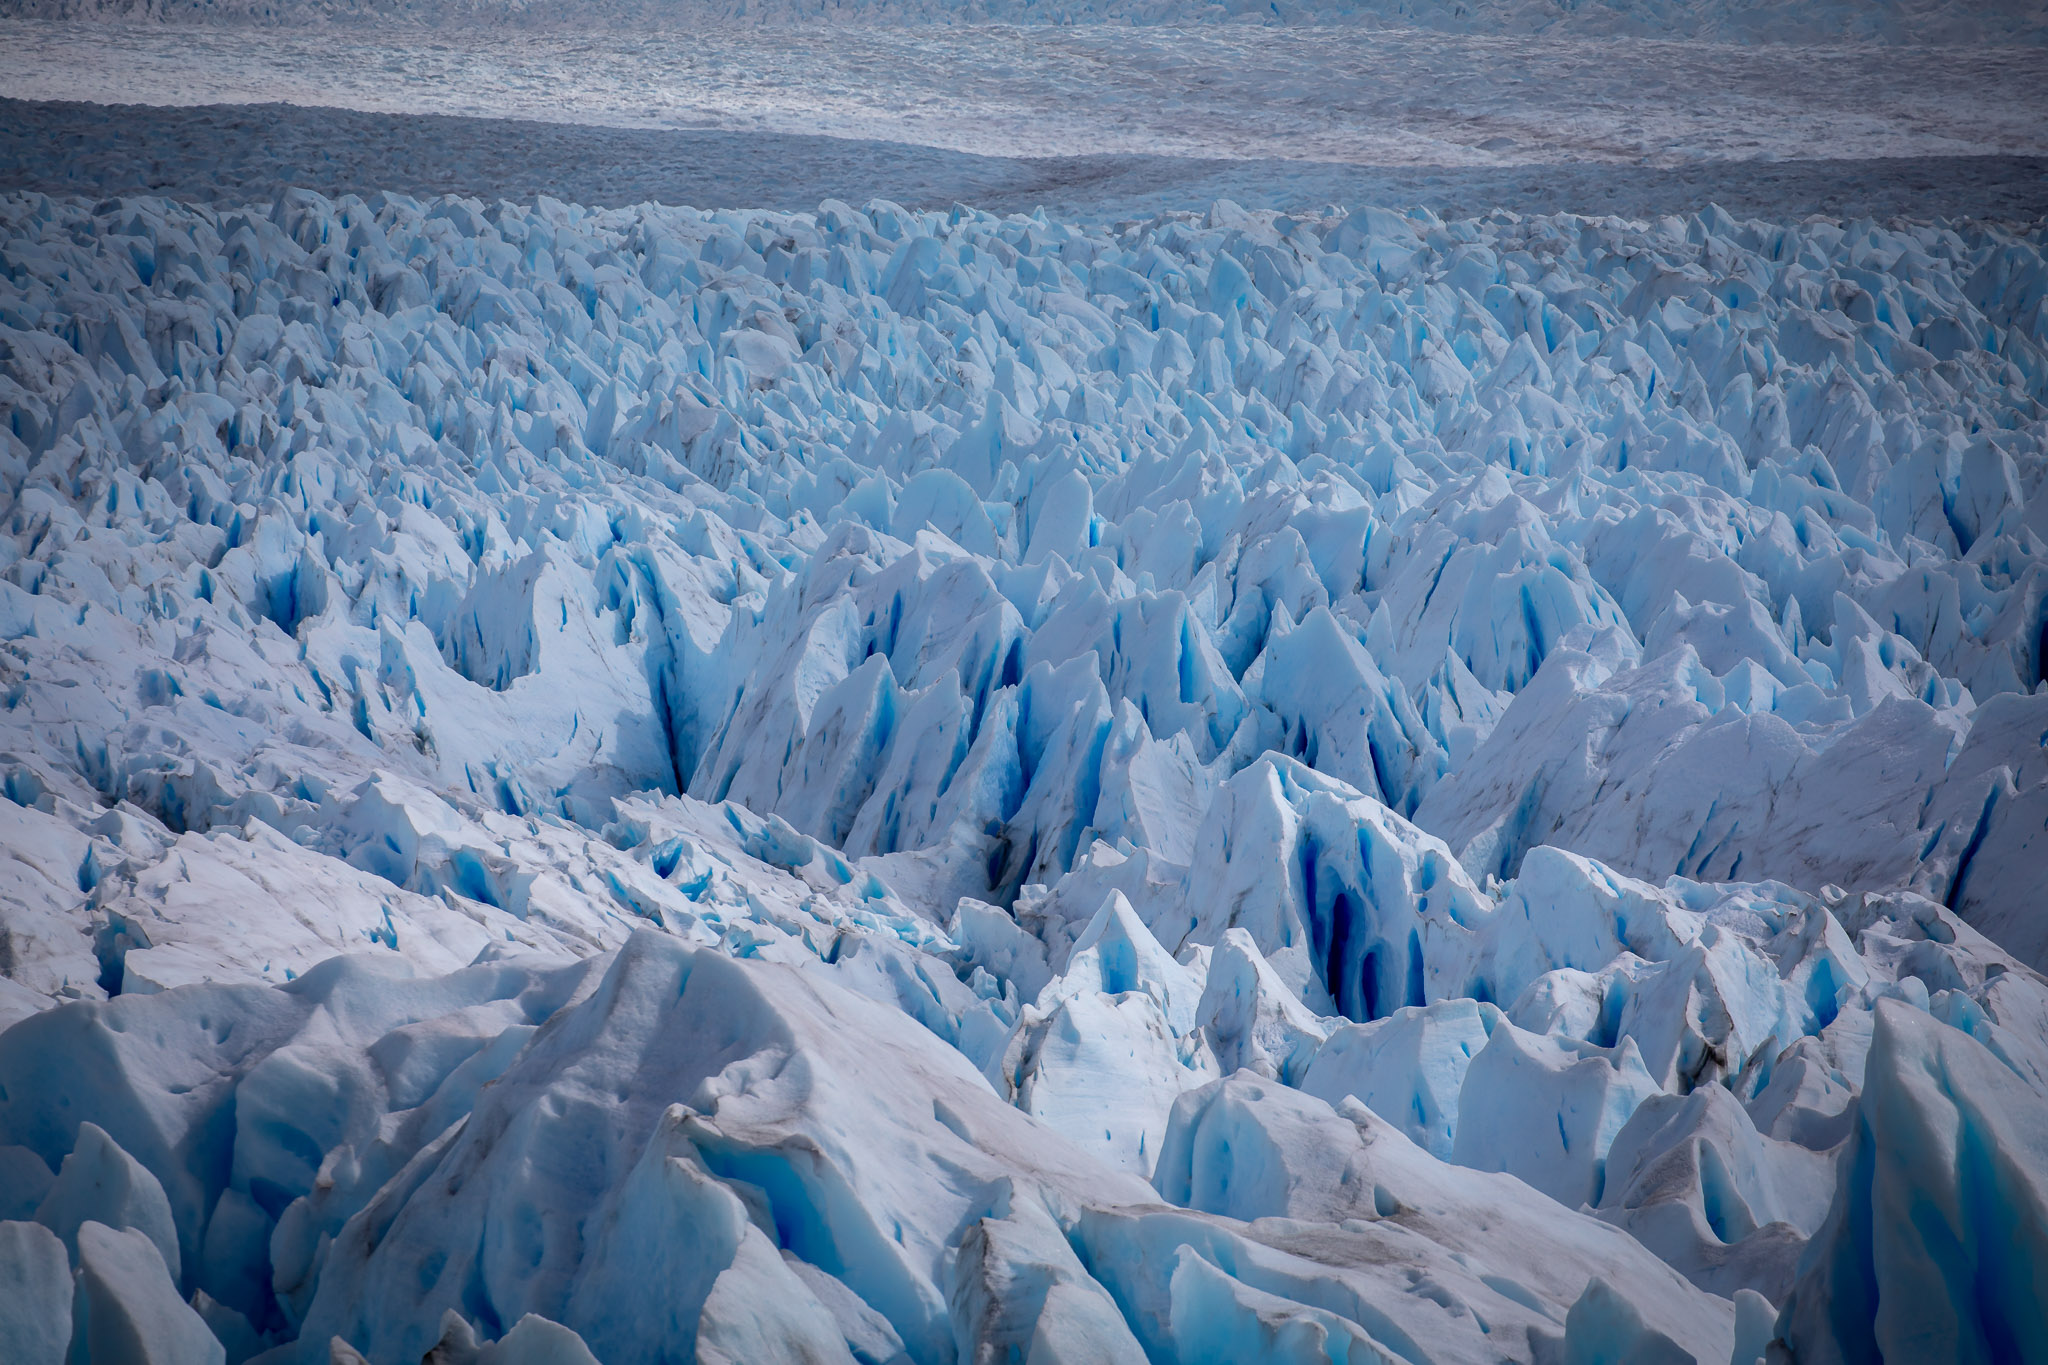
(889, 786)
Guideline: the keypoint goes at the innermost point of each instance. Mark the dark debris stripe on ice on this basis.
(232, 152)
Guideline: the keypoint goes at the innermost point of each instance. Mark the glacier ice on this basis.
(35, 1294)
(1916, 23)
(100, 1183)
(1255, 1150)
(881, 785)
(1951, 1195)
(126, 1307)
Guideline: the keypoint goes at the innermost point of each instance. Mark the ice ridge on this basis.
(949, 787)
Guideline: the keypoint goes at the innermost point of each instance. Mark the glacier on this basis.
(1836, 22)
(874, 784)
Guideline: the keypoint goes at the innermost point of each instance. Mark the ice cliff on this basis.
(889, 786)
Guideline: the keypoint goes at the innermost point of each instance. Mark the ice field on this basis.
(1092, 122)
(834, 781)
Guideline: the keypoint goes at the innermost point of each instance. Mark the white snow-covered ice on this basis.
(1314, 95)
(1096, 122)
(645, 784)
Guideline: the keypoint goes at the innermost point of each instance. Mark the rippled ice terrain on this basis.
(1320, 94)
(909, 786)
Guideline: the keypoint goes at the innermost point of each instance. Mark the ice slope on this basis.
(953, 787)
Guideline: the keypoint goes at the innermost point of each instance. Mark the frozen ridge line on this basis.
(646, 785)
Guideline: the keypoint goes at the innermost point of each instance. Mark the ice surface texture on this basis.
(1726, 21)
(924, 786)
